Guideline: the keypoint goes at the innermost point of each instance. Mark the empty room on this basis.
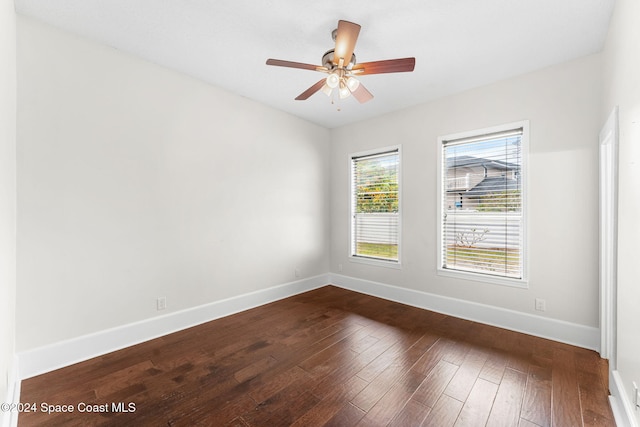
(340, 213)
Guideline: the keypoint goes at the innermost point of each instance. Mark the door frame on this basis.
(608, 200)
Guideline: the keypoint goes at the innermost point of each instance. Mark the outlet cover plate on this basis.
(541, 305)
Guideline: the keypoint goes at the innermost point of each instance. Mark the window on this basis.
(482, 204)
(375, 206)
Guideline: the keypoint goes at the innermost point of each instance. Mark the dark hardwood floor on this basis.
(336, 358)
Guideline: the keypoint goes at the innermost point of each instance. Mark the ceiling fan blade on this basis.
(291, 64)
(389, 66)
(362, 94)
(345, 41)
(313, 89)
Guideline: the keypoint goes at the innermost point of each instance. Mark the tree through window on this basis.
(375, 205)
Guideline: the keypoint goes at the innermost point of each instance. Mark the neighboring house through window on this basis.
(482, 204)
(375, 206)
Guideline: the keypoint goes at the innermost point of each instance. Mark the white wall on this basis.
(622, 71)
(7, 193)
(136, 182)
(562, 104)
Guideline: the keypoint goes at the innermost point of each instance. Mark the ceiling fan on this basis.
(341, 66)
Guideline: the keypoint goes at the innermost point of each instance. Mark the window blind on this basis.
(375, 205)
(482, 215)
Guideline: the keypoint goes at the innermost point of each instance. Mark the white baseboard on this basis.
(544, 327)
(619, 400)
(48, 358)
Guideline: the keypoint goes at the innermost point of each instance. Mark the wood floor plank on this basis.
(194, 403)
(494, 367)
(289, 356)
(333, 357)
(348, 415)
(435, 383)
(437, 352)
(594, 401)
(395, 370)
(456, 351)
(460, 385)
(593, 382)
(216, 415)
(262, 390)
(394, 400)
(476, 408)
(237, 422)
(518, 362)
(536, 406)
(331, 403)
(320, 364)
(603, 364)
(283, 408)
(335, 345)
(349, 367)
(527, 423)
(507, 406)
(364, 343)
(255, 369)
(444, 413)
(377, 366)
(413, 414)
(320, 340)
(565, 409)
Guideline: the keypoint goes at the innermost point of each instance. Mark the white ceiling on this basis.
(458, 44)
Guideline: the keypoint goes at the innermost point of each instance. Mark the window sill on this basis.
(479, 277)
(376, 261)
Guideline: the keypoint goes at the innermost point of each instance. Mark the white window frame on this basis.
(397, 264)
(481, 277)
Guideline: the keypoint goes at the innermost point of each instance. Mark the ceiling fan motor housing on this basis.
(327, 60)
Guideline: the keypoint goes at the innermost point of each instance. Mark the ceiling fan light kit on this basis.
(333, 80)
(341, 73)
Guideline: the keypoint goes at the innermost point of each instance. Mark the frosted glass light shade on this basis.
(344, 91)
(333, 80)
(353, 83)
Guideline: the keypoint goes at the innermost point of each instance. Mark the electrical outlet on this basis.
(340, 268)
(161, 303)
(297, 273)
(541, 305)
